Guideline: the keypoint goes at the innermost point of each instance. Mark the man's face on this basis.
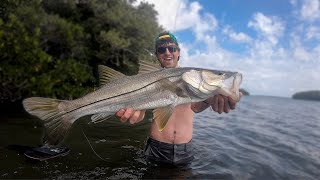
(168, 55)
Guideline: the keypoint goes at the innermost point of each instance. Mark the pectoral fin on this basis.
(162, 116)
(97, 118)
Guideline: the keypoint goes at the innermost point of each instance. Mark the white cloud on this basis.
(178, 15)
(270, 28)
(316, 51)
(207, 24)
(280, 77)
(167, 11)
(237, 37)
(276, 63)
(313, 32)
(293, 2)
(300, 51)
(187, 16)
(301, 54)
(310, 10)
(262, 50)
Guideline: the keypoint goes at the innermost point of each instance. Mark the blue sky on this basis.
(275, 44)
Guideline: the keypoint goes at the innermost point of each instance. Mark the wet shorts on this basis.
(174, 154)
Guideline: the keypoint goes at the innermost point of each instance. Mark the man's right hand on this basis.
(129, 114)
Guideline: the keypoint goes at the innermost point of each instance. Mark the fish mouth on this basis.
(231, 86)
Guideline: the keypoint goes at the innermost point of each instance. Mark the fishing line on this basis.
(92, 147)
(175, 19)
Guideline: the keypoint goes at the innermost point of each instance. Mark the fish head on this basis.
(205, 83)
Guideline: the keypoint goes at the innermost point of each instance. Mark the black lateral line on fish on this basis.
(122, 94)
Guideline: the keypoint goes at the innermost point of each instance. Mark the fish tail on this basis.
(57, 121)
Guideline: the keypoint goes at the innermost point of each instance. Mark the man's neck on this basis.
(177, 66)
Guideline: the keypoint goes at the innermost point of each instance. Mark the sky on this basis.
(275, 44)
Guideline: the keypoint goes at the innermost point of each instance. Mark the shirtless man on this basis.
(173, 144)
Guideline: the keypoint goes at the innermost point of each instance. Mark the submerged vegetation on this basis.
(51, 48)
(308, 95)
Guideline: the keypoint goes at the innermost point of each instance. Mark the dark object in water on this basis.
(44, 153)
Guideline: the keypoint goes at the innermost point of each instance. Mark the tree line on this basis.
(307, 95)
(51, 48)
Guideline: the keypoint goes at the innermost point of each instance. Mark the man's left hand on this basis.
(220, 103)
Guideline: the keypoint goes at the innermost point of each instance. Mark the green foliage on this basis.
(21, 59)
(7, 7)
(307, 95)
(121, 34)
(51, 47)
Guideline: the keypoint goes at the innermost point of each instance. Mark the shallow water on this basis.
(264, 138)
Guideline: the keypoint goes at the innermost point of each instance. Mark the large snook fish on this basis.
(153, 88)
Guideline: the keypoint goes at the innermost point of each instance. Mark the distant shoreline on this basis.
(307, 95)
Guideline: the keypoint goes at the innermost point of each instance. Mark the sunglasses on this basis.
(162, 50)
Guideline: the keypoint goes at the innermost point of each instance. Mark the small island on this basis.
(307, 95)
(244, 92)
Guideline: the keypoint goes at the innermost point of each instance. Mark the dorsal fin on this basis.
(107, 74)
(147, 67)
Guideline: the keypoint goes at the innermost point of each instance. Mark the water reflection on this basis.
(265, 138)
